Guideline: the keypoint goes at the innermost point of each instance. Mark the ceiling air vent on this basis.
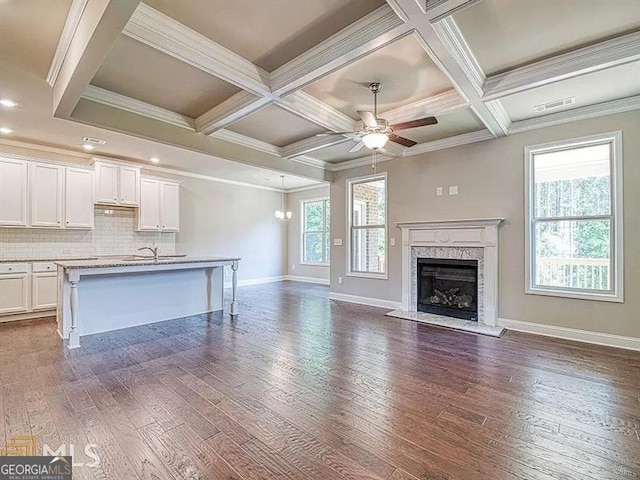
(94, 141)
(553, 105)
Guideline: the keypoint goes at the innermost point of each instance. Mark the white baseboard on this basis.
(372, 302)
(255, 281)
(598, 338)
(295, 278)
(28, 316)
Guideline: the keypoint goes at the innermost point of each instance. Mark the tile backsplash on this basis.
(114, 233)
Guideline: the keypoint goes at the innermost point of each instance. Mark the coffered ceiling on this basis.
(254, 82)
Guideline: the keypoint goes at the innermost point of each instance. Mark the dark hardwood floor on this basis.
(307, 388)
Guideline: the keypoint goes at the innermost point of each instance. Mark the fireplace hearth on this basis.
(448, 287)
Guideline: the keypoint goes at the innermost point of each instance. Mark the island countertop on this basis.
(124, 262)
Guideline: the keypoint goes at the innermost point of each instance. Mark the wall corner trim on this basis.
(372, 302)
(597, 338)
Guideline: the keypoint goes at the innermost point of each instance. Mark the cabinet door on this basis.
(170, 207)
(46, 183)
(44, 291)
(129, 186)
(13, 192)
(79, 198)
(106, 183)
(13, 293)
(149, 213)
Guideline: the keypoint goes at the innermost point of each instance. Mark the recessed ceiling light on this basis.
(154, 159)
(5, 102)
(5, 130)
(86, 146)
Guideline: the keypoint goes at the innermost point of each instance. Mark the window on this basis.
(574, 212)
(368, 226)
(315, 232)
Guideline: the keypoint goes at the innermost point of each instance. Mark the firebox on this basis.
(448, 287)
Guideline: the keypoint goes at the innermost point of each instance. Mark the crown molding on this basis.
(437, 10)
(129, 104)
(231, 110)
(375, 30)
(575, 114)
(357, 162)
(500, 114)
(163, 33)
(308, 187)
(310, 108)
(610, 53)
(444, 143)
(245, 141)
(68, 31)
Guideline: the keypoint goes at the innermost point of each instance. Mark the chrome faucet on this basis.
(153, 250)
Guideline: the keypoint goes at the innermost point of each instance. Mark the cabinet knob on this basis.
(10, 268)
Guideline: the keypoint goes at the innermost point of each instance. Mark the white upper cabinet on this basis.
(170, 206)
(79, 198)
(117, 184)
(129, 185)
(159, 205)
(46, 187)
(149, 214)
(13, 192)
(106, 175)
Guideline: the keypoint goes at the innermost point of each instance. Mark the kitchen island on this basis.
(101, 295)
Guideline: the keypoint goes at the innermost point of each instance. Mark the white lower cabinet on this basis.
(44, 291)
(14, 293)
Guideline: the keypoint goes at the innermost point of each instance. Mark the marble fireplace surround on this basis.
(475, 239)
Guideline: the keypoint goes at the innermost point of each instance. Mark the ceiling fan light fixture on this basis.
(374, 140)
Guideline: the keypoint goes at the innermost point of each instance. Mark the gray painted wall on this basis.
(490, 176)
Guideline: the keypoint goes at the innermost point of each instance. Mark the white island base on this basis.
(98, 296)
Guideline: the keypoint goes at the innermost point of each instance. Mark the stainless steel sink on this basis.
(149, 257)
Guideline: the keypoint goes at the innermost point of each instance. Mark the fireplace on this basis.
(448, 287)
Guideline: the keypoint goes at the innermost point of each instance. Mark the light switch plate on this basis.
(453, 190)
(337, 242)
(439, 191)
(393, 242)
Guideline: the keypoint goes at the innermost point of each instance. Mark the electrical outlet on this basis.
(293, 266)
(337, 242)
(339, 280)
(393, 242)
(439, 191)
(453, 190)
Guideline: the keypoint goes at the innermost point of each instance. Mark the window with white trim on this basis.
(368, 226)
(574, 218)
(315, 231)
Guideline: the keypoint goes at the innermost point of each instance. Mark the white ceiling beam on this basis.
(94, 32)
(239, 139)
(68, 31)
(575, 114)
(229, 111)
(163, 33)
(446, 46)
(310, 108)
(603, 55)
(129, 104)
(312, 144)
(375, 30)
(450, 142)
(437, 10)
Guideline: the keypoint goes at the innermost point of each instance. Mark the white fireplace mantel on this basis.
(455, 234)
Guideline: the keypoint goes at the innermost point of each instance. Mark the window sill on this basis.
(377, 276)
(601, 297)
(314, 264)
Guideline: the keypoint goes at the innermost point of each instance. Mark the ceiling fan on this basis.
(377, 131)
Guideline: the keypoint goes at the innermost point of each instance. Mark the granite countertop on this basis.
(51, 259)
(129, 262)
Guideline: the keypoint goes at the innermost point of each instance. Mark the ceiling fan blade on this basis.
(401, 140)
(357, 147)
(421, 122)
(368, 118)
(326, 134)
